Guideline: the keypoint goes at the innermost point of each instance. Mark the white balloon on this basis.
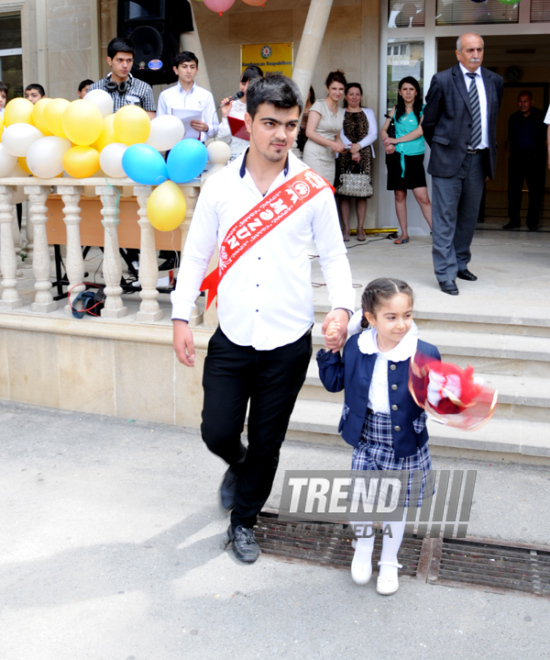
(17, 138)
(45, 156)
(219, 152)
(7, 162)
(166, 132)
(102, 99)
(110, 159)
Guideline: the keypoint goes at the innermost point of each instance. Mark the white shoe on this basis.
(361, 567)
(388, 584)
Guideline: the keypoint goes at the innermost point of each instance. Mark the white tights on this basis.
(390, 545)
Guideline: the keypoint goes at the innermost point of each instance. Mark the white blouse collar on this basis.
(406, 348)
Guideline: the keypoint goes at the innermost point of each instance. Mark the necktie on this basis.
(475, 138)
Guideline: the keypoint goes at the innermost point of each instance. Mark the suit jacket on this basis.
(352, 372)
(447, 121)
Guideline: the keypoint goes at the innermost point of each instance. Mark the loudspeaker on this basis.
(154, 27)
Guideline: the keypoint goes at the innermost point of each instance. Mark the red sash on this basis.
(258, 222)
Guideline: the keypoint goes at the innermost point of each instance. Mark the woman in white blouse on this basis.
(358, 134)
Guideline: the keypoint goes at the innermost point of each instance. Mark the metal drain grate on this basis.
(495, 567)
(452, 562)
(318, 544)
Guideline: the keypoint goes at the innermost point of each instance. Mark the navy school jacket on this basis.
(352, 372)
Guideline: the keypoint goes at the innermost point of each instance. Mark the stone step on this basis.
(514, 440)
(488, 353)
(520, 397)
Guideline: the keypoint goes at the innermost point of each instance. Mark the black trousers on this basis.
(270, 380)
(531, 167)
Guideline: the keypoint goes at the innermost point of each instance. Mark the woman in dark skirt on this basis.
(405, 154)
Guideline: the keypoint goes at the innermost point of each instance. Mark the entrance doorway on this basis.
(524, 63)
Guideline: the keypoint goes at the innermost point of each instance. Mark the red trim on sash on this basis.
(258, 222)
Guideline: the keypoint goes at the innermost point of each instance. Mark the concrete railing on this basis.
(71, 190)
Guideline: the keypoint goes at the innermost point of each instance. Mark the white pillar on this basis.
(74, 261)
(192, 41)
(8, 263)
(112, 267)
(149, 310)
(43, 300)
(310, 45)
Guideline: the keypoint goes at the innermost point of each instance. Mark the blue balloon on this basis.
(186, 160)
(144, 164)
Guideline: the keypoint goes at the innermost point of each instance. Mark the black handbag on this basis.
(391, 127)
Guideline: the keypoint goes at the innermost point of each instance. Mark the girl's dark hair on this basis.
(379, 291)
(311, 96)
(336, 76)
(348, 87)
(251, 73)
(417, 105)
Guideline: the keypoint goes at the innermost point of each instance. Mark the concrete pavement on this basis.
(111, 549)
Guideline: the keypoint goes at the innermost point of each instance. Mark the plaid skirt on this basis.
(375, 452)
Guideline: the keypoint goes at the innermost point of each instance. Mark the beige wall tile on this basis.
(144, 382)
(86, 374)
(188, 391)
(253, 28)
(4, 367)
(33, 367)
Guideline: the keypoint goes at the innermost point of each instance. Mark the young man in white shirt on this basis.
(186, 94)
(261, 350)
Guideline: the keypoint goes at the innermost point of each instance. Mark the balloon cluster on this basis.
(84, 138)
(219, 6)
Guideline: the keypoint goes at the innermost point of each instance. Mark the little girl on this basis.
(380, 418)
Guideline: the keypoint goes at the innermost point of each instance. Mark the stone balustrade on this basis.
(71, 191)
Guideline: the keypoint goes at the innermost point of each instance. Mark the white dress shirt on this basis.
(484, 144)
(238, 110)
(197, 98)
(547, 118)
(265, 299)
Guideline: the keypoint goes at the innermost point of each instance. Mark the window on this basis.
(405, 58)
(404, 13)
(11, 61)
(480, 12)
(540, 11)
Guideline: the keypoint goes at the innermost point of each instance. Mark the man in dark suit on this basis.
(460, 126)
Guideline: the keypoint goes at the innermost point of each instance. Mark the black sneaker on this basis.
(244, 544)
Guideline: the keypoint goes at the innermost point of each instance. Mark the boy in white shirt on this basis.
(185, 94)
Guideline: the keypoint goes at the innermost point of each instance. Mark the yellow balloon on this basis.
(80, 162)
(166, 206)
(53, 116)
(132, 125)
(82, 122)
(1, 126)
(38, 115)
(107, 135)
(22, 161)
(18, 111)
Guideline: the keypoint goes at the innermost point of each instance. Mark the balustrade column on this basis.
(41, 265)
(112, 266)
(149, 310)
(74, 260)
(8, 264)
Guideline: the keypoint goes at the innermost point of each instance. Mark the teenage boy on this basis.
(263, 210)
(34, 92)
(187, 95)
(83, 87)
(120, 83)
(3, 97)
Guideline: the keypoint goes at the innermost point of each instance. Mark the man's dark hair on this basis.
(185, 56)
(38, 88)
(251, 73)
(280, 91)
(85, 83)
(119, 45)
(526, 92)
